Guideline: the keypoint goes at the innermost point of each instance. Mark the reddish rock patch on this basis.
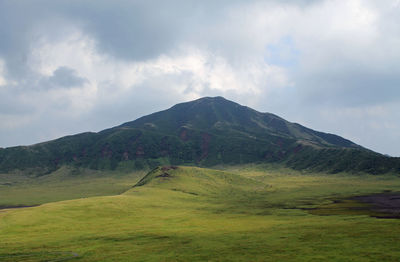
(139, 151)
(84, 152)
(125, 155)
(106, 152)
(205, 143)
(183, 135)
(279, 143)
(297, 149)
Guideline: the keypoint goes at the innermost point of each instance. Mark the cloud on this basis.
(2, 73)
(64, 77)
(324, 63)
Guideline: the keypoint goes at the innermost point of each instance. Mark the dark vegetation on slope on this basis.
(158, 172)
(204, 132)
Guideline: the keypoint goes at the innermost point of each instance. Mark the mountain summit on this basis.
(204, 132)
(218, 115)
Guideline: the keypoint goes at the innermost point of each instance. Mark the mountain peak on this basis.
(217, 114)
(211, 98)
(207, 131)
(208, 101)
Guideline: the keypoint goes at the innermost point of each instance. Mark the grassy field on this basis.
(249, 213)
(64, 184)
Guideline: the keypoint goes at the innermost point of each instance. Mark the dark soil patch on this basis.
(164, 175)
(166, 168)
(382, 205)
(186, 192)
(387, 204)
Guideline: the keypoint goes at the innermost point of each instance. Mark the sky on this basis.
(71, 66)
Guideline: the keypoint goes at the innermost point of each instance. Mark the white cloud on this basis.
(191, 72)
(2, 73)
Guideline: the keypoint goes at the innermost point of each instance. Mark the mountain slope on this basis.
(205, 132)
(216, 115)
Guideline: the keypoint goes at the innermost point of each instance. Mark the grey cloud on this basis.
(126, 29)
(129, 30)
(11, 102)
(65, 77)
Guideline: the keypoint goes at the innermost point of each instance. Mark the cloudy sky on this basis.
(73, 66)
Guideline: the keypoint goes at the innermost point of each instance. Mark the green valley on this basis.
(194, 214)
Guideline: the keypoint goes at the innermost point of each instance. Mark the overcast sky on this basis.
(74, 66)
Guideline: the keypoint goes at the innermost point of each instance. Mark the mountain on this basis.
(217, 115)
(205, 132)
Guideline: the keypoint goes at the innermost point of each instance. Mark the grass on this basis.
(63, 184)
(247, 213)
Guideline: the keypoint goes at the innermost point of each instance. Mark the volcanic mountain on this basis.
(205, 132)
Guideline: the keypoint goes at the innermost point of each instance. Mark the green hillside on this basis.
(205, 132)
(194, 214)
(18, 189)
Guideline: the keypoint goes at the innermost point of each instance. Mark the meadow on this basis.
(20, 189)
(244, 213)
